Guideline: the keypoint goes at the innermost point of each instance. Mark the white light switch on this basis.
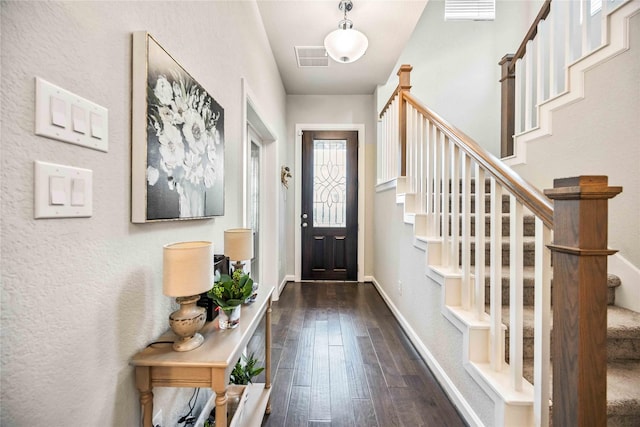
(58, 112)
(57, 190)
(96, 126)
(77, 192)
(79, 119)
(67, 117)
(62, 191)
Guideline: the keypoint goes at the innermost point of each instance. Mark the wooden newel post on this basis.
(404, 85)
(508, 105)
(579, 344)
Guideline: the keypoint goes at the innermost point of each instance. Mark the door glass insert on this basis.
(329, 183)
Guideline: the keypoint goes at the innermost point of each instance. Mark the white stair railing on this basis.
(563, 33)
(441, 164)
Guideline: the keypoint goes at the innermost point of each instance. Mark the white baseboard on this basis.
(449, 387)
(287, 278)
(628, 293)
(369, 279)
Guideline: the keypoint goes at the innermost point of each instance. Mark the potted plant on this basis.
(243, 373)
(229, 292)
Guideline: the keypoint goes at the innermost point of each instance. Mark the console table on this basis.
(209, 365)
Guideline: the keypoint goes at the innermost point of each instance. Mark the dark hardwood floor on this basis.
(340, 358)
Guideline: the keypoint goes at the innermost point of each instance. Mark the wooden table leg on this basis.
(221, 408)
(267, 354)
(143, 383)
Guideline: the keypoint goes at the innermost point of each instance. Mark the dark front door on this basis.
(329, 205)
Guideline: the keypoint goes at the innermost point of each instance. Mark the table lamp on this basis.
(188, 272)
(238, 246)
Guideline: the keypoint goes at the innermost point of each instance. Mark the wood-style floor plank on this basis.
(341, 359)
(320, 403)
(298, 412)
(341, 408)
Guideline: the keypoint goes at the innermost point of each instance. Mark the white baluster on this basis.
(422, 133)
(542, 325)
(431, 150)
(575, 33)
(465, 177)
(480, 241)
(519, 97)
(444, 220)
(543, 70)
(529, 90)
(515, 292)
(454, 248)
(560, 42)
(437, 188)
(495, 272)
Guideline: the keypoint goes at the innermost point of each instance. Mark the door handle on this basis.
(305, 216)
(304, 224)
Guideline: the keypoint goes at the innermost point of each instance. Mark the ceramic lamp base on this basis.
(186, 322)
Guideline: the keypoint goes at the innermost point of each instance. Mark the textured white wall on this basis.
(600, 135)
(396, 259)
(455, 66)
(334, 109)
(81, 296)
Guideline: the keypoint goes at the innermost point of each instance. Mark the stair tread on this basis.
(623, 386)
(528, 276)
(621, 322)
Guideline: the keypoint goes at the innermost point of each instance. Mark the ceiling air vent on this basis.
(312, 56)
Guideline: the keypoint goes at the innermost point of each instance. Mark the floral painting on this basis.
(183, 143)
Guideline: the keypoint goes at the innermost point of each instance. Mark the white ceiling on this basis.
(388, 24)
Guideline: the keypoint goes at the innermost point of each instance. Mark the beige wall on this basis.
(81, 296)
(455, 66)
(334, 109)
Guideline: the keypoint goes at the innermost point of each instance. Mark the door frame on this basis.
(254, 137)
(252, 116)
(359, 127)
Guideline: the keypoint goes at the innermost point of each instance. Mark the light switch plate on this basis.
(67, 182)
(65, 126)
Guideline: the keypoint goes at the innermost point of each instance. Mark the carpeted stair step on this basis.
(528, 281)
(623, 333)
(528, 255)
(528, 224)
(623, 392)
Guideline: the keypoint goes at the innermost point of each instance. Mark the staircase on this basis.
(623, 338)
(499, 296)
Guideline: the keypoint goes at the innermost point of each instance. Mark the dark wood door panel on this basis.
(329, 205)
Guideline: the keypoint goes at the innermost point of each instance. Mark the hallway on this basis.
(340, 358)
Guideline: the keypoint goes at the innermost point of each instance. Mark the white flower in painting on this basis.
(171, 148)
(163, 90)
(193, 169)
(194, 131)
(152, 175)
(211, 151)
(169, 116)
(209, 176)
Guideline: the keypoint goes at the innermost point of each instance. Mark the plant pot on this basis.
(229, 319)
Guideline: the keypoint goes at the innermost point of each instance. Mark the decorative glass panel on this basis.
(329, 183)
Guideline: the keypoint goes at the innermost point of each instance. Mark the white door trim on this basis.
(269, 207)
(298, 190)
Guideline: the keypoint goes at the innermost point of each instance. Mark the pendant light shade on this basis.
(346, 44)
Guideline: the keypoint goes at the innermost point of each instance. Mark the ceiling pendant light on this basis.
(346, 44)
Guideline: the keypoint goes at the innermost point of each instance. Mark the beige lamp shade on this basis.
(188, 268)
(238, 244)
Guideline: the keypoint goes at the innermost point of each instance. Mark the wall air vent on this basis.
(311, 56)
